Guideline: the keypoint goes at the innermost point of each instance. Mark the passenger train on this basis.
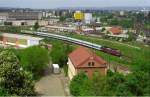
(105, 49)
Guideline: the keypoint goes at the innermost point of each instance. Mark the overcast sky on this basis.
(71, 3)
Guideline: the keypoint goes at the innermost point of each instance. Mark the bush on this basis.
(77, 84)
(34, 59)
(14, 81)
(59, 53)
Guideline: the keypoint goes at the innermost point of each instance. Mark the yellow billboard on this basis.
(78, 15)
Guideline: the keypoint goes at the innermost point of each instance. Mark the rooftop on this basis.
(116, 30)
(20, 36)
(82, 54)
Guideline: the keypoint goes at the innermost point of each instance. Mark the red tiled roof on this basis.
(79, 56)
(116, 30)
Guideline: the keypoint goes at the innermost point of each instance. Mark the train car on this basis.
(105, 49)
(111, 51)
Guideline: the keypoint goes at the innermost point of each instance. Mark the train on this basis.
(105, 49)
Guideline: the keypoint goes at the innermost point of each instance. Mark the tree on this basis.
(97, 84)
(36, 26)
(114, 22)
(59, 53)
(3, 92)
(131, 36)
(34, 59)
(103, 29)
(62, 18)
(126, 23)
(77, 84)
(14, 81)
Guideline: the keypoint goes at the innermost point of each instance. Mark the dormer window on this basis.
(93, 63)
(89, 64)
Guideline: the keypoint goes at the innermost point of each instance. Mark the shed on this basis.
(56, 68)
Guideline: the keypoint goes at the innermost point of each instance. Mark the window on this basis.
(93, 63)
(89, 64)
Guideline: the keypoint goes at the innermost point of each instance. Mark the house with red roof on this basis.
(82, 59)
(115, 30)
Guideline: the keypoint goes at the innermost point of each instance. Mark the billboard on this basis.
(78, 15)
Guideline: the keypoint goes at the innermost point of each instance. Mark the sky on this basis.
(72, 3)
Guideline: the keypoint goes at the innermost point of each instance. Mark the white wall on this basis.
(33, 42)
(71, 69)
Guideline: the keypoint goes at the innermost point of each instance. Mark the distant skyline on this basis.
(72, 3)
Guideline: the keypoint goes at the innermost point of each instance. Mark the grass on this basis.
(133, 57)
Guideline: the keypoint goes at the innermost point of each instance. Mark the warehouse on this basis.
(21, 41)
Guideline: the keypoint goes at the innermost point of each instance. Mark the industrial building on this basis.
(26, 22)
(20, 15)
(25, 15)
(21, 41)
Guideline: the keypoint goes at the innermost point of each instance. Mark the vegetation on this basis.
(14, 80)
(125, 23)
(114, 84)
(103, 29)
(77, 84)
(62, 18)
(59, 53)
(10, 29)
(132, 36)
(34, 59)
(36, 26)
(132, 57)
(13, 29)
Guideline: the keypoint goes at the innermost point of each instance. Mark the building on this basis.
(53, 21)
(61, 28)
(82, 59)
(25, 15)
(88, 18)
(115, 30)
(17, 40)
(78, 15)
(3, 17)
(26, 22)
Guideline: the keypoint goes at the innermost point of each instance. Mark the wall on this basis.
(71, 70)
(90, 71)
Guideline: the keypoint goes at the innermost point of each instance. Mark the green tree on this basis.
(114, 22)
(3, 92)
(34, 59)
(126, 23)
(36, 26)
(103, 29)
(131, 36)
(77, 84)
(14, 81)
(62, 18)
(97, 85)
(59, 53)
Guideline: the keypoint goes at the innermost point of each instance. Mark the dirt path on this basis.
(50, 85)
